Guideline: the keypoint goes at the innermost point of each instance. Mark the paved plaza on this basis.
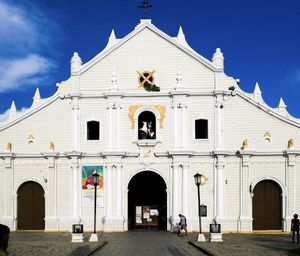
(148, 243)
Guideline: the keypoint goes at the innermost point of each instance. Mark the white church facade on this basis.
(147, 113)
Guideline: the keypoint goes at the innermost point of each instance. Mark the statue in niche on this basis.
(290, 144)
(51, 147)
(9, 147)
(146, 126)
(245, 144)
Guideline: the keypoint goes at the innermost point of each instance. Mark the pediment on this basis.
(152, 33)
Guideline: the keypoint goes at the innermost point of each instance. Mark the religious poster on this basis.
(146, 212)
(88, 188)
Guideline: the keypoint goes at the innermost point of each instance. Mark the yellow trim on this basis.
(160, 108)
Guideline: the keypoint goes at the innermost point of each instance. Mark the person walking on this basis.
(182, 224)
(4, 237)
(295, 227)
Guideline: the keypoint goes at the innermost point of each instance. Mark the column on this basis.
(119, 191)
(51, 214)
(75, 125)
(118, 127)
(175, 191)
(109, 196)
(175, 126)
(245, 219)
(289, 198)
(220, 187)
(184, 125)
(219, 122)
(75, 191)
(110, 127)
(114, 125)
(186, 190)
(9, 198)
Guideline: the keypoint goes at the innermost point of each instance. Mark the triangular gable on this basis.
(137, 30)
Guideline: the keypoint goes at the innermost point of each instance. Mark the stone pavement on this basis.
(46, 244)
(148, 243)
(249, 245)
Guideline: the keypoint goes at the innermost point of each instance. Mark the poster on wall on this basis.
(88, 191)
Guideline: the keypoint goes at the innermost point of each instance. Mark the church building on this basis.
(147, 114)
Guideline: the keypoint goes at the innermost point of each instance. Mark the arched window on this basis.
(201, 129)
(146, 126)
(93, 130)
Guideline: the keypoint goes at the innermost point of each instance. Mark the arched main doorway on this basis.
(31, 206)
(267, 206)
(147, 202)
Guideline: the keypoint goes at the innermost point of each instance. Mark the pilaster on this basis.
(179, 112)
(245, 209)
(186, 190)
(9, 217)
(114, 219)
(114, 109)
(290, 184)
(219, 120)
(51, 220)
(75, 124)
(220, 187)
(75, 176)
(175, 193)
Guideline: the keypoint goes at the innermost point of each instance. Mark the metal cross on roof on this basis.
(145, 4)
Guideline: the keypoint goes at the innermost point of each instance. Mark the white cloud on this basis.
(23, 38)
(28, 70)
(293, 80)
(4, 116)
(16, 30)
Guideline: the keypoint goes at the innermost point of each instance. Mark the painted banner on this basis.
(88, 191)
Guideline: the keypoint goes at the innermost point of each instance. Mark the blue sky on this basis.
(260, 40)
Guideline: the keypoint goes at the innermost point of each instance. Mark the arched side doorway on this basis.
(147, 202)
(267, 206)
(31, 206)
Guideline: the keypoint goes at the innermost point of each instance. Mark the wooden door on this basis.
(31, 207)
(267, 206)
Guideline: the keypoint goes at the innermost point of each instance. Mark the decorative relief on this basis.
(160, 108)
(145, 77)
(132, 110)
(267, 137)
(30, 140)
(203, 180)
(146, 80)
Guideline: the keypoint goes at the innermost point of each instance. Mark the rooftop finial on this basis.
(76, 62)
(218, 58)
(12, 111)
(281, 109)
(145, 4)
